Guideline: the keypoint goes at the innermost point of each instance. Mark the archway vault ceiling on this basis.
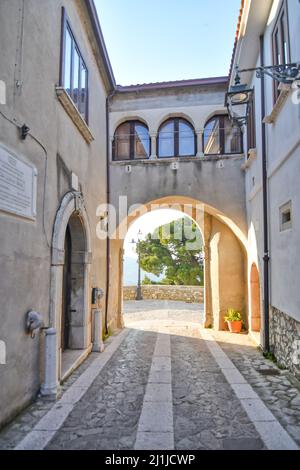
(187, 205)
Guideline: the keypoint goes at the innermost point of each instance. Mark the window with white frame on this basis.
(73, 71)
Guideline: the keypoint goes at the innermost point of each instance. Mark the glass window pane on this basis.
(284, 41)
(186, 139)
(211, 137)
(122, 142)
(141, 142)
(232, 136)
(76, 77)
(277, 45)
(83, 95)
(166, 140)
(67, 62)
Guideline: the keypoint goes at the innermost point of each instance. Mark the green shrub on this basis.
(233, 315)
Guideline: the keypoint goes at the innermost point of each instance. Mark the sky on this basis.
(147, 223)
(162, 40)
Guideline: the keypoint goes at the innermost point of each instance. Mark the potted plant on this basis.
(234, 320)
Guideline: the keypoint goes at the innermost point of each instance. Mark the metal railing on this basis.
(217, 141)
(222, 141)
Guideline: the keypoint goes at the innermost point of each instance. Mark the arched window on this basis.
(131, 141)
(176, 138)
(221, 137)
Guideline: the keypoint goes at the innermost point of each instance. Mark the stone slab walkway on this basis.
(166, 383)
(156, 429)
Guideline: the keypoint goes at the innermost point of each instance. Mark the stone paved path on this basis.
(165, 383)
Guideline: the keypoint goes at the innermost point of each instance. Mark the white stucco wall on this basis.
(283, 163)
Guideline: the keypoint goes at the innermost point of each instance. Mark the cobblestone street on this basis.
(165, 383)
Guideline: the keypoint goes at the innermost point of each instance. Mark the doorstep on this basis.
(71, 359)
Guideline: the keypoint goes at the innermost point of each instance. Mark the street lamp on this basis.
(239, 95)
(139, 295)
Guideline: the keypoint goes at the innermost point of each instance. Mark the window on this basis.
(280, 42)
(285, 214)
(221, 137)
(131, 141)
(251, 129)
(176, 138)
(73, 72)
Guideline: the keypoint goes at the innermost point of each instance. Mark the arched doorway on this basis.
(70, 299)
(73, 296)
(66, 297)
(255, 299)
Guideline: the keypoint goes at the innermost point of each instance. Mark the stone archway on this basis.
(71, 218)
(225, 249)
(255, 299)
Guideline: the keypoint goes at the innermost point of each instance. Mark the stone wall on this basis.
(285, 340)
(192, 294)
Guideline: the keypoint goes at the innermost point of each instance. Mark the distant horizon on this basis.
(130, 273)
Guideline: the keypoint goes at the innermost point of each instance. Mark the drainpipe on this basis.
(107, 201)
(266, 257)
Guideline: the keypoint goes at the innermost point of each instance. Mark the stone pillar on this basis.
(208, 320)
(227, 274)
(120, 294)
(98, 345)
(50, 387)
(153, 137)
(199, 133)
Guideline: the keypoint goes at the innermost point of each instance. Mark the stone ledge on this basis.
(74, 114)
(252, 154)
(191, 294)
(72, 360)
(284, 93)
(166, 160)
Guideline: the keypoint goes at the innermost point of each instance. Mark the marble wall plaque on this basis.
(18, 185)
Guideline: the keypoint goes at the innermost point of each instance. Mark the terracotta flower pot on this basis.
(235, 326)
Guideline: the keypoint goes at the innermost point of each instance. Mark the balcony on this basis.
(176, 139)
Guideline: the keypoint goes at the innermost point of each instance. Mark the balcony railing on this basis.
(216, 141)
(222, 141)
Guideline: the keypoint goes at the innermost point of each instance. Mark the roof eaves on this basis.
(172, 84)
(237, 35)
(101, 43)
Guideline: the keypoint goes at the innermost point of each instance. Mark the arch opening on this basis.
(165, 270)
(221, 137)
(73, 298)
(224, 253)
(255, 322)
(176, 138)
(131, 141)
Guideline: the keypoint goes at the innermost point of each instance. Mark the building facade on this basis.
(267, 35)
(172, 145)
(53, 176)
